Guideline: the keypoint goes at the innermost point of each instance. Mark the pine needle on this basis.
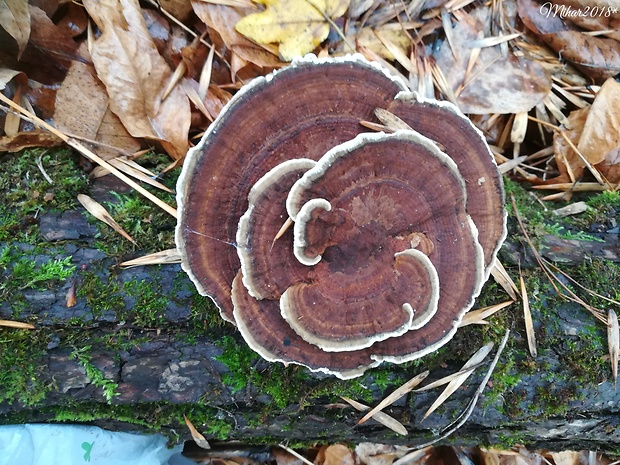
(99, 212)
(163, 257)
(475, 359)
(527, 316)
(16, 324)
(613, 340)
(379, 417)
(394, 396)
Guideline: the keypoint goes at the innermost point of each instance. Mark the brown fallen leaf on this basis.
(70, 299)
(180, 9)
(335, 454)
(284, 457)
(293, 453)
(222, 19)
(74, 19)
(600, 139)
(495, 83)
(369, 38)
(24, 140)
(198, 438)
(369, 453)
(46, 36)
(82, 109)
(99, 212)
(15, 20)
(7, 75)
(597, 57)
(569, 164)
(595, 133)
(135, 76)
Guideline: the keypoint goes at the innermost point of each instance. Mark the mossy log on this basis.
(139, 348)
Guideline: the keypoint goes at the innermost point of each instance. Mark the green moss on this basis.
(150, 226)
(19, 273)
(530, 210)
(150, 306)
(97, 378)
(100, 296)
(25, 187)
(21, 356)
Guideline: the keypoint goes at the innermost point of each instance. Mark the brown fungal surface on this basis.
(485, 192)
(383, 258)
(300, 111)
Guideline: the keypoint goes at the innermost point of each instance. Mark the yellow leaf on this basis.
(299, 26)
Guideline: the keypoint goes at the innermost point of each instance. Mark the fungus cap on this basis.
(302, 110)
(383, 258)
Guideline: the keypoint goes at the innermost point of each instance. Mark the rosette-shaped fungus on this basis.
(383, 258)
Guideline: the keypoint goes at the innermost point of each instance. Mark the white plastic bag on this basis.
(48, 444)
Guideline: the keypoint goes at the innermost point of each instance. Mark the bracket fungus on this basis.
(393, 234)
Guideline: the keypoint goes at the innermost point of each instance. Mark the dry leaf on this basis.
(198, 438)
(70, 299)
(595, 131)
(597, 57)
(15, 20)
(99, 212)
(180, 9)
(369, 453)
(298, 26)
(135, 76)
(16, 324)
(295, 454)
(336, 454)
(74, 21)
(600, 139)
(82, 108)
(7, 75)
(222, 19)
(569, 164)
(45, 36)
(164, 257)
(496, 83)
(475, 360)
(565, 457)
(368, 39)
(24, 140)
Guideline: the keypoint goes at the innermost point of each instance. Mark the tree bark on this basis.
(131, 362)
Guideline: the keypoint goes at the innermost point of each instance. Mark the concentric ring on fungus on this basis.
(383, 258)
